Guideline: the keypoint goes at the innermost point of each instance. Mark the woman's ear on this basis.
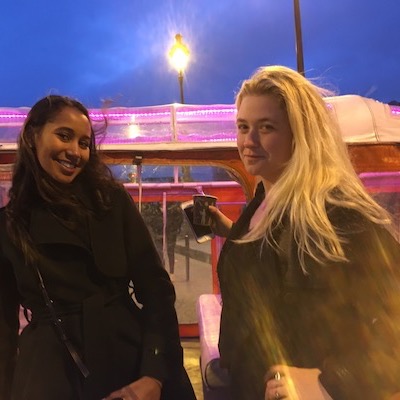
(32, 140)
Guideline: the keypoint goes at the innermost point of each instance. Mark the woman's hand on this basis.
(292, 383)
(221, 224)
(145, 388)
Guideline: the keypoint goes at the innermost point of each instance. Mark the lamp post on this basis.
(179, 58)
(299, 39)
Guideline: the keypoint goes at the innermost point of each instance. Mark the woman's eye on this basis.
(266, 128)
(84, 145)
(242, 127)
(63, 136)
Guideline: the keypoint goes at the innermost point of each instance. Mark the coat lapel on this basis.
(45, 228)
(108, 244)
(106, 238)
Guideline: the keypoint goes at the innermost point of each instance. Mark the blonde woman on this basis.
(309, 273)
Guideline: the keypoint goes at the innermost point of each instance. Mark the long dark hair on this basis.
(31, 184)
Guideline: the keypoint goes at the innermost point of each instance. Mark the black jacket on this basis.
(343, 318)
(86, 273)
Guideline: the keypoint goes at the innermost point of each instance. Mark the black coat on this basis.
(86, 273)
(343, 318)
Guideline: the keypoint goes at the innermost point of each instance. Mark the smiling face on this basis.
(264, 137)
(62, 146)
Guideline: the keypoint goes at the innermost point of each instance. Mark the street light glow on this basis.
(179, 57)
(179, 54)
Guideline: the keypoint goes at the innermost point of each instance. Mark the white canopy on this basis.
(364, 120)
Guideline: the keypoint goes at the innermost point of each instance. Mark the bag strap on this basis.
(59, 328)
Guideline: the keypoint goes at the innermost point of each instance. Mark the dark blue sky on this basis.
(116, 49)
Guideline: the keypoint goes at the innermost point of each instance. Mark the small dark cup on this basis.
(201, 202)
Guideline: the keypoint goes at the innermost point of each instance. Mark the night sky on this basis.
(116, 50)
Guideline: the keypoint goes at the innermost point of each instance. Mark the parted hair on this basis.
(31, 184)
(319, 173)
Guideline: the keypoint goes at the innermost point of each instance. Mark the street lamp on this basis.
(299, 39)
(179, 58)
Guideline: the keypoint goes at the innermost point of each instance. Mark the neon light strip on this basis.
(130, 115)
(395, 110)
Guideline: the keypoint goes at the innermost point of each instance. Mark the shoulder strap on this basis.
(59, 328)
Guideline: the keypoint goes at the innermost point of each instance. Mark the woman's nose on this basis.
(252, 137)
(73, 150)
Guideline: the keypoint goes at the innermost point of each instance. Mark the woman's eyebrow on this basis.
(258, 120)
(65, 128)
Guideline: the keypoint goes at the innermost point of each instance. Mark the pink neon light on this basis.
(395, 110)
(156, 124)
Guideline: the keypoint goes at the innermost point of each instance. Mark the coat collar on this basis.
(45, 228)
(106, 237)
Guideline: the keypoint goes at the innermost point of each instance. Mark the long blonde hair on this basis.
(319, 172)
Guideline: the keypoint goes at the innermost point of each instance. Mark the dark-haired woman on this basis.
(75, 251)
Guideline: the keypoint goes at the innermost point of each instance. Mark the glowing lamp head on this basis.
(179, 54)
